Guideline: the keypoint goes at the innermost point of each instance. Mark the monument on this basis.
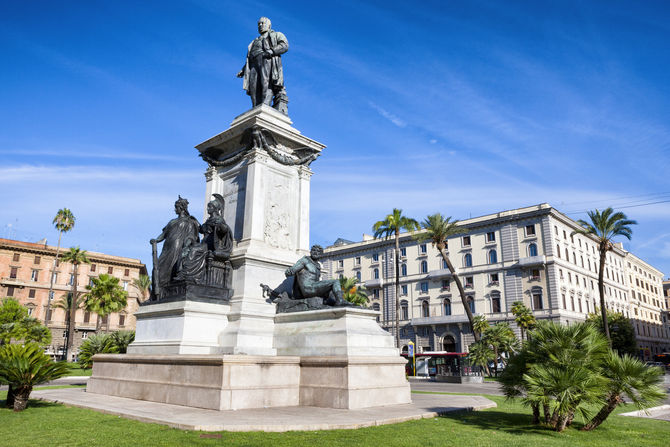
(241, 318)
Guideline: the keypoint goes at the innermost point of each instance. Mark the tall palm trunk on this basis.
(536, 413)
(604, 412)
(601, 290)
(397, 288)
(461, 290)
(72, 314)
(51, 281)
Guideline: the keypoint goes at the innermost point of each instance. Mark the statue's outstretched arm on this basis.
(295, 268)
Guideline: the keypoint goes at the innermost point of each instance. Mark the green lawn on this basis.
(508, 425)
(77, 371)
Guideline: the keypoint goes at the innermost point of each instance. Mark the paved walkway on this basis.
(661, 412)
(265, 419)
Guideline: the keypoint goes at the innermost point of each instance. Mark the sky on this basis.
(464, 108)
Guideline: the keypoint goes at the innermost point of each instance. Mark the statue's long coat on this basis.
(279, 46)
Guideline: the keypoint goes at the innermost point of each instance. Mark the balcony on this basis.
(531, 261)
(436, 274)
(373, 283)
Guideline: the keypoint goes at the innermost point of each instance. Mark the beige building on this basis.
(24, 275)
(527, 254)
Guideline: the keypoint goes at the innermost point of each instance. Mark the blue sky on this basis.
(466, 108)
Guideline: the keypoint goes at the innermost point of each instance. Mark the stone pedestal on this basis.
(217, 382)
(260, 165)
(180, 327)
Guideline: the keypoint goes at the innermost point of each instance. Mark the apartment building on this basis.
(25, 275)
(527, 254)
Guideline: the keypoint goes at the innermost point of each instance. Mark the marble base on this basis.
(180, 327)
(217, 382)
(338, 331)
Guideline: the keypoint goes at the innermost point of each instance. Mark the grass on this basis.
(45, 423)
(77, 371)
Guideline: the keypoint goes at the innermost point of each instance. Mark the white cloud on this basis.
(388, 115)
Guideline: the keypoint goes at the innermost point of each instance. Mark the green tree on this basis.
(480, 354)
(621, 331)
(18, 327)
(628, 376)
(24, 366)
(143, 285)
(96, 344)
(604, 227)
(76, 257)
(524, 317)
(438, 230)
(561, 372)
(501, 339)
(64, 222)
(392, 225)
(479, 325)
(105, 296)
(354, 292)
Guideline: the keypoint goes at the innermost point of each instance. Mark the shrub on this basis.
(96, 344)
(24, 366)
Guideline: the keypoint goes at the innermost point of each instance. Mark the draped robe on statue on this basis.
(177, 232)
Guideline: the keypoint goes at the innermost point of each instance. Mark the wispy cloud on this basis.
(388, 115)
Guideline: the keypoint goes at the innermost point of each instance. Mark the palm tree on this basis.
(628, 376)
(75, 256)
(143, 285)
(392, 225)
(438, 230)
(354, 292)
(480, 324)
(66, 303)
(105, 296)
(480, 354)
(605, 226)
(500, 337)
(64, 222)
(524, 317)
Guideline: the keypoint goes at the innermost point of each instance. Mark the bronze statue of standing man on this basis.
(262, 72)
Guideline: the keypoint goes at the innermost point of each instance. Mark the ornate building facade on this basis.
(24, 275)
(527, 254)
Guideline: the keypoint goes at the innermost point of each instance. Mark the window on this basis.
(125, 284)
(467, 260)
(537, 300)
(424, 287)
(340, 263)
(31, 293)
(425, 309)
(446, 305)
(375, 273)
(530, 230)
(51, 295)
(122, 320)
(403, 270)
(110, 270)
(471, 303)
(34, 275)
(469, 282)
(424, 267)
(358, 276)
(376, 307)
(493, 257)
(87, 317)
(555, 230)
(490, 237)
(375, 294)
(535, 274)
(567, 255)
(104, 319)
(90, 281)
(565, 306)
(38, 259)
(55, 277)
(13, 272)
(404, 310)
(10, 290)
(558, 250)
(495, 303)
(93, 267)
(49, 313)
(445, 284)
(403, 252)
(494, 279)
(532, 250)
(403, 289)
(30, 311)
(126, 272)
(466, 241)
(423, 249)
(84, 335)
(572, 303)
(358, 260)
(71, 279)
(16, 257)
(444, 264)
(375, 257)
